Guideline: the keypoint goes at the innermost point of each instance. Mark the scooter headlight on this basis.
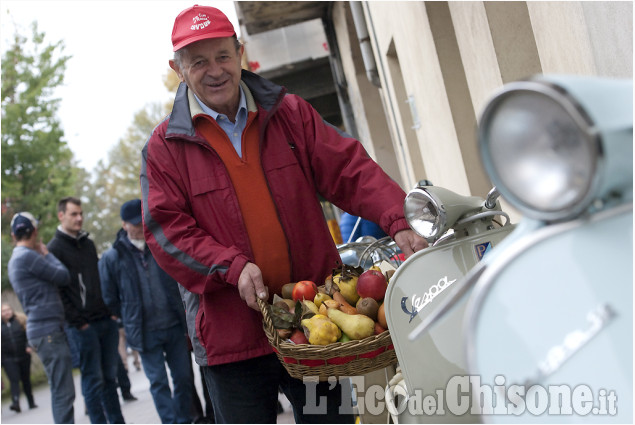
(424, 213)
(433, 210)
(542, 148)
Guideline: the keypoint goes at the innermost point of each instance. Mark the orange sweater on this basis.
(268, 241)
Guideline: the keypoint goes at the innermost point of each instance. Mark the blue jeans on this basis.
(98, 355)
(247, 392)
(169, 345)
(56, 357)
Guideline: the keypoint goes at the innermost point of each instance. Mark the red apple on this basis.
(304, 290)
(372, 283)
(298, 337)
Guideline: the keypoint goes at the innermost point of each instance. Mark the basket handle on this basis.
(265, 309)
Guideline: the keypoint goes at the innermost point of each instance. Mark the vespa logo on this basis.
(482, 249)
(598, 319)
(418, 303)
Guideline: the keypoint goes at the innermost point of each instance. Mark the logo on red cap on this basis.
(198, 18)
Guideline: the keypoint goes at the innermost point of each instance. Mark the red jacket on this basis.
(192, 219)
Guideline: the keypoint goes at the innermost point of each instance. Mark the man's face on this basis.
(135, 231)
(7, 312)
(211, 69)
(71, 219)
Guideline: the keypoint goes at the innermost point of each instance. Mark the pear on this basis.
(311, 306)
(348, 287)
(356, 326)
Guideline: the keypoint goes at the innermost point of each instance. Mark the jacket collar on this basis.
(263, 92)
(122, 242)
(81, 235)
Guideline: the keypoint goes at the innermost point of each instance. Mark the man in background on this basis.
(36, 275)
(148, 302)
(90, 321)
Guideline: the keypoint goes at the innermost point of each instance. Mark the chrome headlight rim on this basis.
(441, 220)
(585, 125)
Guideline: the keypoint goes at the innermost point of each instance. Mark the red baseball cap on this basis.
(200, 23)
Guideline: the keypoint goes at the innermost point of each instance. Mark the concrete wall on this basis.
(446, 58)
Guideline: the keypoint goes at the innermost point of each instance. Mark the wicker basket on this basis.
(338, 359)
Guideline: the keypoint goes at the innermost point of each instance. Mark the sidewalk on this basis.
(141, 411)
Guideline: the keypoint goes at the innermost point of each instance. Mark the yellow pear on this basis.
(311, 306)
(320, 298)
(356, 326)
(348, 287)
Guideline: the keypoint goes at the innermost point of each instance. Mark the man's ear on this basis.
(176, 69)
(60, 214)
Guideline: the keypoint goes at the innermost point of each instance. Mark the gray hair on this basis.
(178, 55)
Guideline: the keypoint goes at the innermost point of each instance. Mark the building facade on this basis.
(414, 76)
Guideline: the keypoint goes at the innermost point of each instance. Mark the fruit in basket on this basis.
(311, 306)
(381, 316)
(284, 333)
(331, 304)
(372, 283)
(320, 298)
(286, 303)
(344, 305)
(356, 326)
(344, 338)
(346, 280)
(320, 330)
(379, 328)
(304, 290)
(347, 287)
(368, 307)
(298, 337)
(287, 291)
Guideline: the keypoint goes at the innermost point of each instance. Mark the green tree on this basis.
(37, 164)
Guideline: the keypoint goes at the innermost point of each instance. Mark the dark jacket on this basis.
(122, 293)
(192, 218)
(82, 298)
(13, 340)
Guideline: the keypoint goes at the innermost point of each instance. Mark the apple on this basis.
(372, 284)
(298, 337)
(304, 290)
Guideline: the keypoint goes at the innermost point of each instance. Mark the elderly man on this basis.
(149, 304)
(230, 183)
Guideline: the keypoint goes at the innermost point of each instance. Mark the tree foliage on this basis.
(37, 164)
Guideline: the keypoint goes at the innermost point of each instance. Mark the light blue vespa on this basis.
(549, 323)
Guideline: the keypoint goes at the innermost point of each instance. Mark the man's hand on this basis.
(251, 285)
(409, 242)
(41, 248)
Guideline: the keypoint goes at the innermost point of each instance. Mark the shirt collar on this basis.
(242, 105)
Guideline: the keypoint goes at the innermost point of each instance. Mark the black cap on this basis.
(131, 211)
(23, 223)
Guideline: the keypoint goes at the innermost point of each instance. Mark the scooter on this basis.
(542, 327)
(549, 323)
(461, 230)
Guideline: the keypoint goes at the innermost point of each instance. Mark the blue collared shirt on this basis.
(233, 130)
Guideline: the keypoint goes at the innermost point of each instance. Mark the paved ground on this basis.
(141, 411)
